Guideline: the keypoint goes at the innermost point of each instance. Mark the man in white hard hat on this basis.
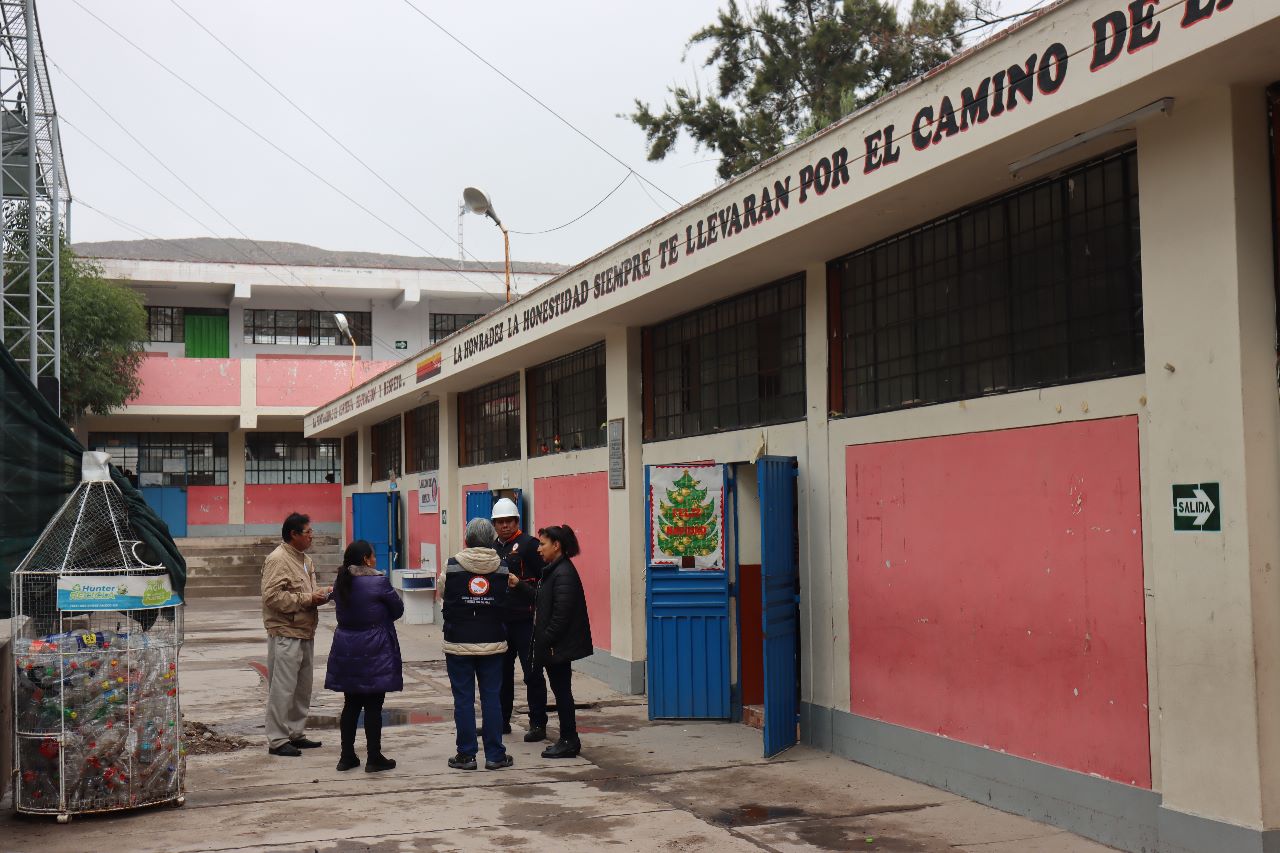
(519, 553)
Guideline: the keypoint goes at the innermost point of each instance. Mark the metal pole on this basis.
(33, 319)
(55, 225)
(506, 252)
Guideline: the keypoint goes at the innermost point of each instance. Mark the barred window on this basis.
(567, 402)
(385, 438)
(164, 325)
(305, 328)
(735, 364)
(489, 422)
(351, 459)
(444, 325)
(1038, 287)
(283, 457)
(422, 437)
(167, 458)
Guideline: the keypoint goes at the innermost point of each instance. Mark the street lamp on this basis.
(341, 320)
(477, 202)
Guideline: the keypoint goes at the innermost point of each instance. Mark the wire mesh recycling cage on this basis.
(96, 635)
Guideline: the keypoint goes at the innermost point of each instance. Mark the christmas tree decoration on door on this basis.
(686, 505)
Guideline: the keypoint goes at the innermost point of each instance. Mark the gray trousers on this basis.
(288, 688)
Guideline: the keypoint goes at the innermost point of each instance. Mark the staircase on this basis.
(219, 566)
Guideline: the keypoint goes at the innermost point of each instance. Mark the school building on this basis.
(242, 342)
(951, 433)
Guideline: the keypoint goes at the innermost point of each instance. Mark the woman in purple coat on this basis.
(364, 662)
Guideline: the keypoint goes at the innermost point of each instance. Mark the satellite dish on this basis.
(477, 202)
(341, 320)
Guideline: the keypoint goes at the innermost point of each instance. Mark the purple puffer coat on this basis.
(365, 656)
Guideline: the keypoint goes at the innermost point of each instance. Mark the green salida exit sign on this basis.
(1196, 507)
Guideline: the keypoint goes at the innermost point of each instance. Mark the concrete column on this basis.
(364, 443)
(235, 476)
(626, 506)
(452, 511)
(1209, 320)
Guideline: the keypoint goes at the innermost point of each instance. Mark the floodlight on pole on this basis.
(341, 320)
(477, 202)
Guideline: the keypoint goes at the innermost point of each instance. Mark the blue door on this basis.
(170, 503)
(480, 504)
(688, 634)
(376, 519)
(776, 477)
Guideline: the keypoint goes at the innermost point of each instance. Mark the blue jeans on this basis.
(464, 672)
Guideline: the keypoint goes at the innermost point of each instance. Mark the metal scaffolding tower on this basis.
(35, 199)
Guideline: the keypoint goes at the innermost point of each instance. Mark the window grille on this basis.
(422, 437)
(444, 325)
(351, 459)
(385, 438)
(567, 402)
(1038, 287)
(164, 325)
(734, 364)
(167, 458)
(282, 457)
(305, 328)
(489, 422)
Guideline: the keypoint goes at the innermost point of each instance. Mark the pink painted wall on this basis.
(421, 528)
(188, 382)
(996, 593)
(582, 502)
(290, 381)
(269, 504)
(207, 504)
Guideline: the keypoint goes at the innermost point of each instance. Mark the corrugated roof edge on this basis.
(239, 251)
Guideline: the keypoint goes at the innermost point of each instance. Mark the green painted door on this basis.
(207, 336)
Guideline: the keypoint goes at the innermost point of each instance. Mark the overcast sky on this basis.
(412, 103)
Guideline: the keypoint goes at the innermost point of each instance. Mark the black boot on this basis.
(378, 762)
(563, 749)
(348, 760)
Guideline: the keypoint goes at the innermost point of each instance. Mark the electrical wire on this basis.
(625, 178)
(538, 101)
(282, 151)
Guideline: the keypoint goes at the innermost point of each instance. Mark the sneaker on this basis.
(378, 763)
(501, 764)
(563, 749)
(506, 727)
(348, 761)
(305, 743)
(463, 762)
(286, 749)
(535, 734)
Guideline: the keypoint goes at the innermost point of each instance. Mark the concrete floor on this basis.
(637, 786)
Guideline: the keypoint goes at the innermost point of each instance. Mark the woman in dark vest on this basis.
(364, 662)
(561, 628)
(475, 642)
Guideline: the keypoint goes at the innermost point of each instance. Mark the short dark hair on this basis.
(563, 535)
(294, 524)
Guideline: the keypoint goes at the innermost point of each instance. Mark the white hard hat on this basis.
(504, 508)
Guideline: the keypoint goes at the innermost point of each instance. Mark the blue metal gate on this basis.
(776, 477)
(170, 503)
(480, 504)
(688, 635)
(376, 519)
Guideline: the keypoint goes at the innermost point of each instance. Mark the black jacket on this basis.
(561, 627)
(475, 589)
(521, 558)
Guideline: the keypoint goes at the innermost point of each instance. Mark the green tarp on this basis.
(40, 467)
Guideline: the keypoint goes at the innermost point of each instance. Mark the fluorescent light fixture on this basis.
(1164, 106)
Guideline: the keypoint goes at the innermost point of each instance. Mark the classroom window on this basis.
(164, 325)
(385, 438)
(567, 402)
(422, 437)
(167, 458)
(489, 422)
(305, 328)
(282, 457)
(444, 325)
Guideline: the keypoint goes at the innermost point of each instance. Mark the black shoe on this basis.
(304, 743)
(563, 749)
(535, 734)
(285, 749)
(348, 761)
(377, 763)
(501, 764)
(506, 727)
(463, 762)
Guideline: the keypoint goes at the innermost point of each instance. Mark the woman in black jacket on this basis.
(561, 628)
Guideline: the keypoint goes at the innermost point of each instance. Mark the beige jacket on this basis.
(288, 581)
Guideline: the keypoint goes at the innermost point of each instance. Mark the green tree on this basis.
(788, 69)
(103, 327)
(687, 520)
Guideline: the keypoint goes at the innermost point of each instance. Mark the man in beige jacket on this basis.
(289, 601)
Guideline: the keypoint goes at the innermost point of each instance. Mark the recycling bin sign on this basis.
(1196, 507)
